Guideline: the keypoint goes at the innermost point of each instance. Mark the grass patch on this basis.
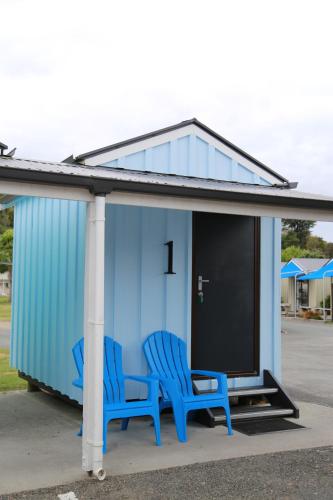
(5, 309)
(9, 380)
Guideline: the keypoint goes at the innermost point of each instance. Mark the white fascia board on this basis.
(216, 206)
(16, 188)
(237, 157)
(297, 265)
(106, 157)
(102, 158)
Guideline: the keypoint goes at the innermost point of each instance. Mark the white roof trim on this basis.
(219, 206)
(15, 188)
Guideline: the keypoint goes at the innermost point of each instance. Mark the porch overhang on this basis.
(77, 182)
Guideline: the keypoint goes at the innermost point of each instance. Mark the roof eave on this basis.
(105, 186)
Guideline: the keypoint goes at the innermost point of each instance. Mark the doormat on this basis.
(265, 425)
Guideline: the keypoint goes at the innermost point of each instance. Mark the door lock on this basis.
(200, 283)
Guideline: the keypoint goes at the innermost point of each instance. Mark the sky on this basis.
(78, 75)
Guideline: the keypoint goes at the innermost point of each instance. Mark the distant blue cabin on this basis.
(212, 279)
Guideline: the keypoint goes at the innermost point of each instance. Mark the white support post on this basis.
(323, 290)
(295, 297)
(92, 440)
(331, 304)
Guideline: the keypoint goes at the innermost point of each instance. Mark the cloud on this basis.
(79, 75)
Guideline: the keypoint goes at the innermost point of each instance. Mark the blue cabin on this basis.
(142, 294)
(175, 230)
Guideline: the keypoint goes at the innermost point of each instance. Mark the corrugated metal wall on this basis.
(189, 155)
(139, 297)
(47, 288)
(49, 275)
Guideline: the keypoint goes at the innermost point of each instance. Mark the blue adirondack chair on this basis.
(114, 402)
(166, 357)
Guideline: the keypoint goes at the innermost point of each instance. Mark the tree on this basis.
(6, 219)
(298, 252)
(316, 243)
(289, 239)
(302, 229)
(329, 250)
(6, 254)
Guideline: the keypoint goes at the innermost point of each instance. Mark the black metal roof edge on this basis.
(105, 186)
(192, 121)
(3, 146)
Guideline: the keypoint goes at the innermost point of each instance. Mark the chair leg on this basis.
(157, 427)
(180, 417)
(124, 424)
(228, 419)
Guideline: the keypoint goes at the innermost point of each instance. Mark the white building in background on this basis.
(4, 284)
(306, 294)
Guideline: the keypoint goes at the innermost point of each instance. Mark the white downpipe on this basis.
(324, 294)
(331, 299)
(323, 289)
(295, 313)
(92, 441)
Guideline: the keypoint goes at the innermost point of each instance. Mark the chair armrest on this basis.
(220, 377)
(152, 382)
(141, 378)
(172, 388)
(78, 382)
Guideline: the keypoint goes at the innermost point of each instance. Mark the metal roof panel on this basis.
(104, 178)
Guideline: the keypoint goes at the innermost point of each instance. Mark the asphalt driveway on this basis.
(307, 360)
(301, 474)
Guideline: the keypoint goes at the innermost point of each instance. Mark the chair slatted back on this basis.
(166, 357)
(114, 391)
(78, 356)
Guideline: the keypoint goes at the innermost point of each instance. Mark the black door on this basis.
(225, 300)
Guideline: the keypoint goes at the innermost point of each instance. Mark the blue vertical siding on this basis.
(47, 288)
(139, 297)
(48, 282)
(189, 155)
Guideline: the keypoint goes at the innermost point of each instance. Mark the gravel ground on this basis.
(302, 474)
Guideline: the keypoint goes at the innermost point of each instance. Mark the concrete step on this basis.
(246, 391)
(252, 391)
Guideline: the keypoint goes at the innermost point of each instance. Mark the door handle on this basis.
(200, 283)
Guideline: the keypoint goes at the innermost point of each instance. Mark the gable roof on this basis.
(291, 270)
(187, 123)
(325, 271)
(297, 267)
(308, 264)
